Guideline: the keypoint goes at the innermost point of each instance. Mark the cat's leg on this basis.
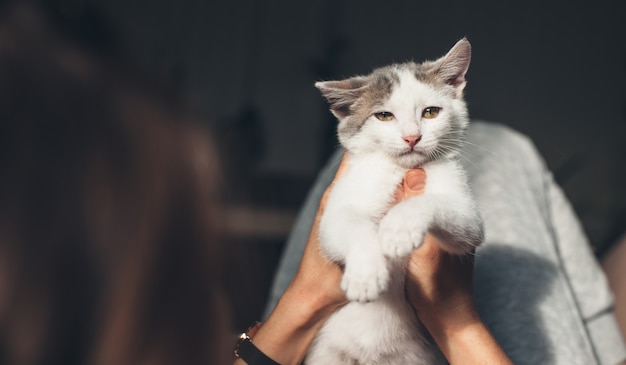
(351, 240)
(454, 219)
(403, 228)
(366, 274)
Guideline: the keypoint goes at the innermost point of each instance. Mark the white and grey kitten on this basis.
(397, 118)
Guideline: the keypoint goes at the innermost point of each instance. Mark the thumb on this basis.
(414, 183)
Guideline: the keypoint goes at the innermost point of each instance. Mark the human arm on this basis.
(311, 297)
(439, 287)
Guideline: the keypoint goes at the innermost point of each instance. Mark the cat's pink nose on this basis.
(412, 140)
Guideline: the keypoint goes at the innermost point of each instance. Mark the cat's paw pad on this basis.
(364, 283)
(400, 234)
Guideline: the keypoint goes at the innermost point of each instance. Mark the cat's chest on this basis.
(373, 181)
(369, 182)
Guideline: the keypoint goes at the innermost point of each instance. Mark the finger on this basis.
(414, 183)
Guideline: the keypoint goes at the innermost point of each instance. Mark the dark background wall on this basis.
(554, 70)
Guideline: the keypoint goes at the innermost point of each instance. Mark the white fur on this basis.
(362, 229)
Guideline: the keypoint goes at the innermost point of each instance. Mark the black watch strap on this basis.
(245, 349)
(252, 355)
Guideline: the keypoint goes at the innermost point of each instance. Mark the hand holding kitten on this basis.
(433, 275)
(434, 281)
(439, 285)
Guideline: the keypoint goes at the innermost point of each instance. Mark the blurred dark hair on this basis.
(108, 228)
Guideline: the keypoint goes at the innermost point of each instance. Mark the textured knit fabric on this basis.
(538, 286)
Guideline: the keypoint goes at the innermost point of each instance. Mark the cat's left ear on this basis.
(452, 67)
(342, 94)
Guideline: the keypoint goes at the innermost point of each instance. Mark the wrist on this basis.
(448, 321)
(468, 342)
(287, 333)
(247, 351)
(305, 310)
(316, 294)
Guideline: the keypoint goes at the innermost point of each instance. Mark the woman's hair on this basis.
(108, 250)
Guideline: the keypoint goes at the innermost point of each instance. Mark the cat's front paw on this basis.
(364, 281)
(401, 231)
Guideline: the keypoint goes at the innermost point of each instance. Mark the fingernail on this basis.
(415, 180)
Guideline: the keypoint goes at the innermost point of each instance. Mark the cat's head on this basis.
(414, 113)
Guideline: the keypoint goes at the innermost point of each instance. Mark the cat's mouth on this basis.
(412, 151)
(411, 158)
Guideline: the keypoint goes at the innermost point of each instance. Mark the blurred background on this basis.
(553, 70)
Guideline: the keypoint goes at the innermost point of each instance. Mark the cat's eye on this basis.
(431, 112)
(383, 116)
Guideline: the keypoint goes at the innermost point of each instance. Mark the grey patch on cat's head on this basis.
(351, 100)
(381, 84)
(342, 94)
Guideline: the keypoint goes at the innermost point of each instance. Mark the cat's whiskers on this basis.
(478, 146)
(454, 144)
(446, 148)
(463, 155)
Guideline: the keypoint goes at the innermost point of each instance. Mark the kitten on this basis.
(397, 118)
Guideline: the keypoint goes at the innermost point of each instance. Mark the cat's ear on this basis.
(342, 94)
(452, 67)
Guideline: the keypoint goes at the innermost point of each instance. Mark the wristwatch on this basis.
(245, 349)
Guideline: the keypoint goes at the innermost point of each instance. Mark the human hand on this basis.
(439, 285)
(318, 278)
(312, 296)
